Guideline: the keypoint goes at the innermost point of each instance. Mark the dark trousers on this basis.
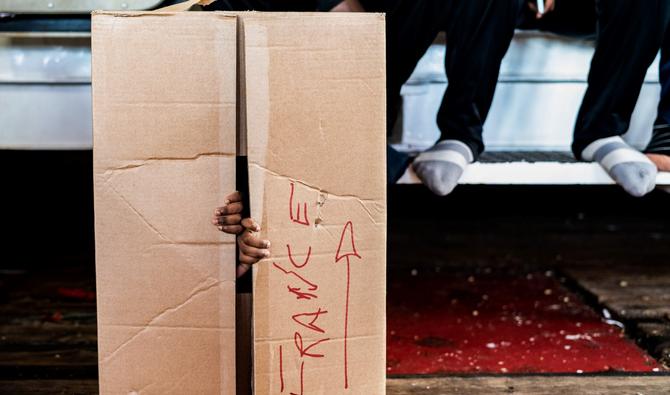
(663, 115)
(478, 35)
(630, 33)
(262, 5)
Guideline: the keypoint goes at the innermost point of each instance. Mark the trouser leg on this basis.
(663, 115)
(629, 36)
(660, 137)
(411, 27)
(479, 33)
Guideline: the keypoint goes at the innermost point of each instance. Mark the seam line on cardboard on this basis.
(142, 162)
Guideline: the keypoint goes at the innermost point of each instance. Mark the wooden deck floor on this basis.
(48, 332)
(638, 297)
(48, 345)
(532, 385)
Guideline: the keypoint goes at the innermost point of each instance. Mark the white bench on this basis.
(534, 173)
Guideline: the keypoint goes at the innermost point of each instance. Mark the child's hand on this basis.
(252, 248)
(228, 218)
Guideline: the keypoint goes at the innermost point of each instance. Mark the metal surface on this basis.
(45, 116)
(39, 59)
(45, 92)
(73, 6)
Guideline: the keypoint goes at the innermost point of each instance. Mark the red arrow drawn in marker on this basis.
(345, 250)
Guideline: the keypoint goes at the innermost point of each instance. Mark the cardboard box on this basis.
(316, 138)
(164, 117)
(311, 111)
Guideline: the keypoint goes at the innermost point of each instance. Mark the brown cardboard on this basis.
(164, 97)
(315, 118)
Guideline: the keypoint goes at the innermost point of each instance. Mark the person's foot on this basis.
(628, 167)
(658, 150)
(442, 166)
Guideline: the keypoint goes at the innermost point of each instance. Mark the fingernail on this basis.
(266, 254)
(226, 202)
(221, 228)
(267, 244)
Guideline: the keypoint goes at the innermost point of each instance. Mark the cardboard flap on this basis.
(164, 158)
(316, 132)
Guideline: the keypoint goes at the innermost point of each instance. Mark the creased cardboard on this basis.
(315, 120)
(164, 98)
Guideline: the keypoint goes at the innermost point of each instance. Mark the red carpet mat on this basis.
(500, 323)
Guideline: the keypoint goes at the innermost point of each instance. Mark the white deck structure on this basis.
(45, 97)
(536, 173)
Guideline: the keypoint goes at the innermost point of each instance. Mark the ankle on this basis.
(589, 153)
(459, 146)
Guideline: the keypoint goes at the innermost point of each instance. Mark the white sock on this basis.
(440, 167)
(627, 166)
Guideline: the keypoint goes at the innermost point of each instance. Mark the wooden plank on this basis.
(47, 335)
(628, 291)
(649, 295)
(656, 335)
(617, 278)
(639, 311)
(49, 387)
(655, 329)
(49, 358)
(623, 286)
(48, 364)
(531, 385)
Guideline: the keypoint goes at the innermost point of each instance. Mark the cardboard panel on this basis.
(164, 118)
(315, 116)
